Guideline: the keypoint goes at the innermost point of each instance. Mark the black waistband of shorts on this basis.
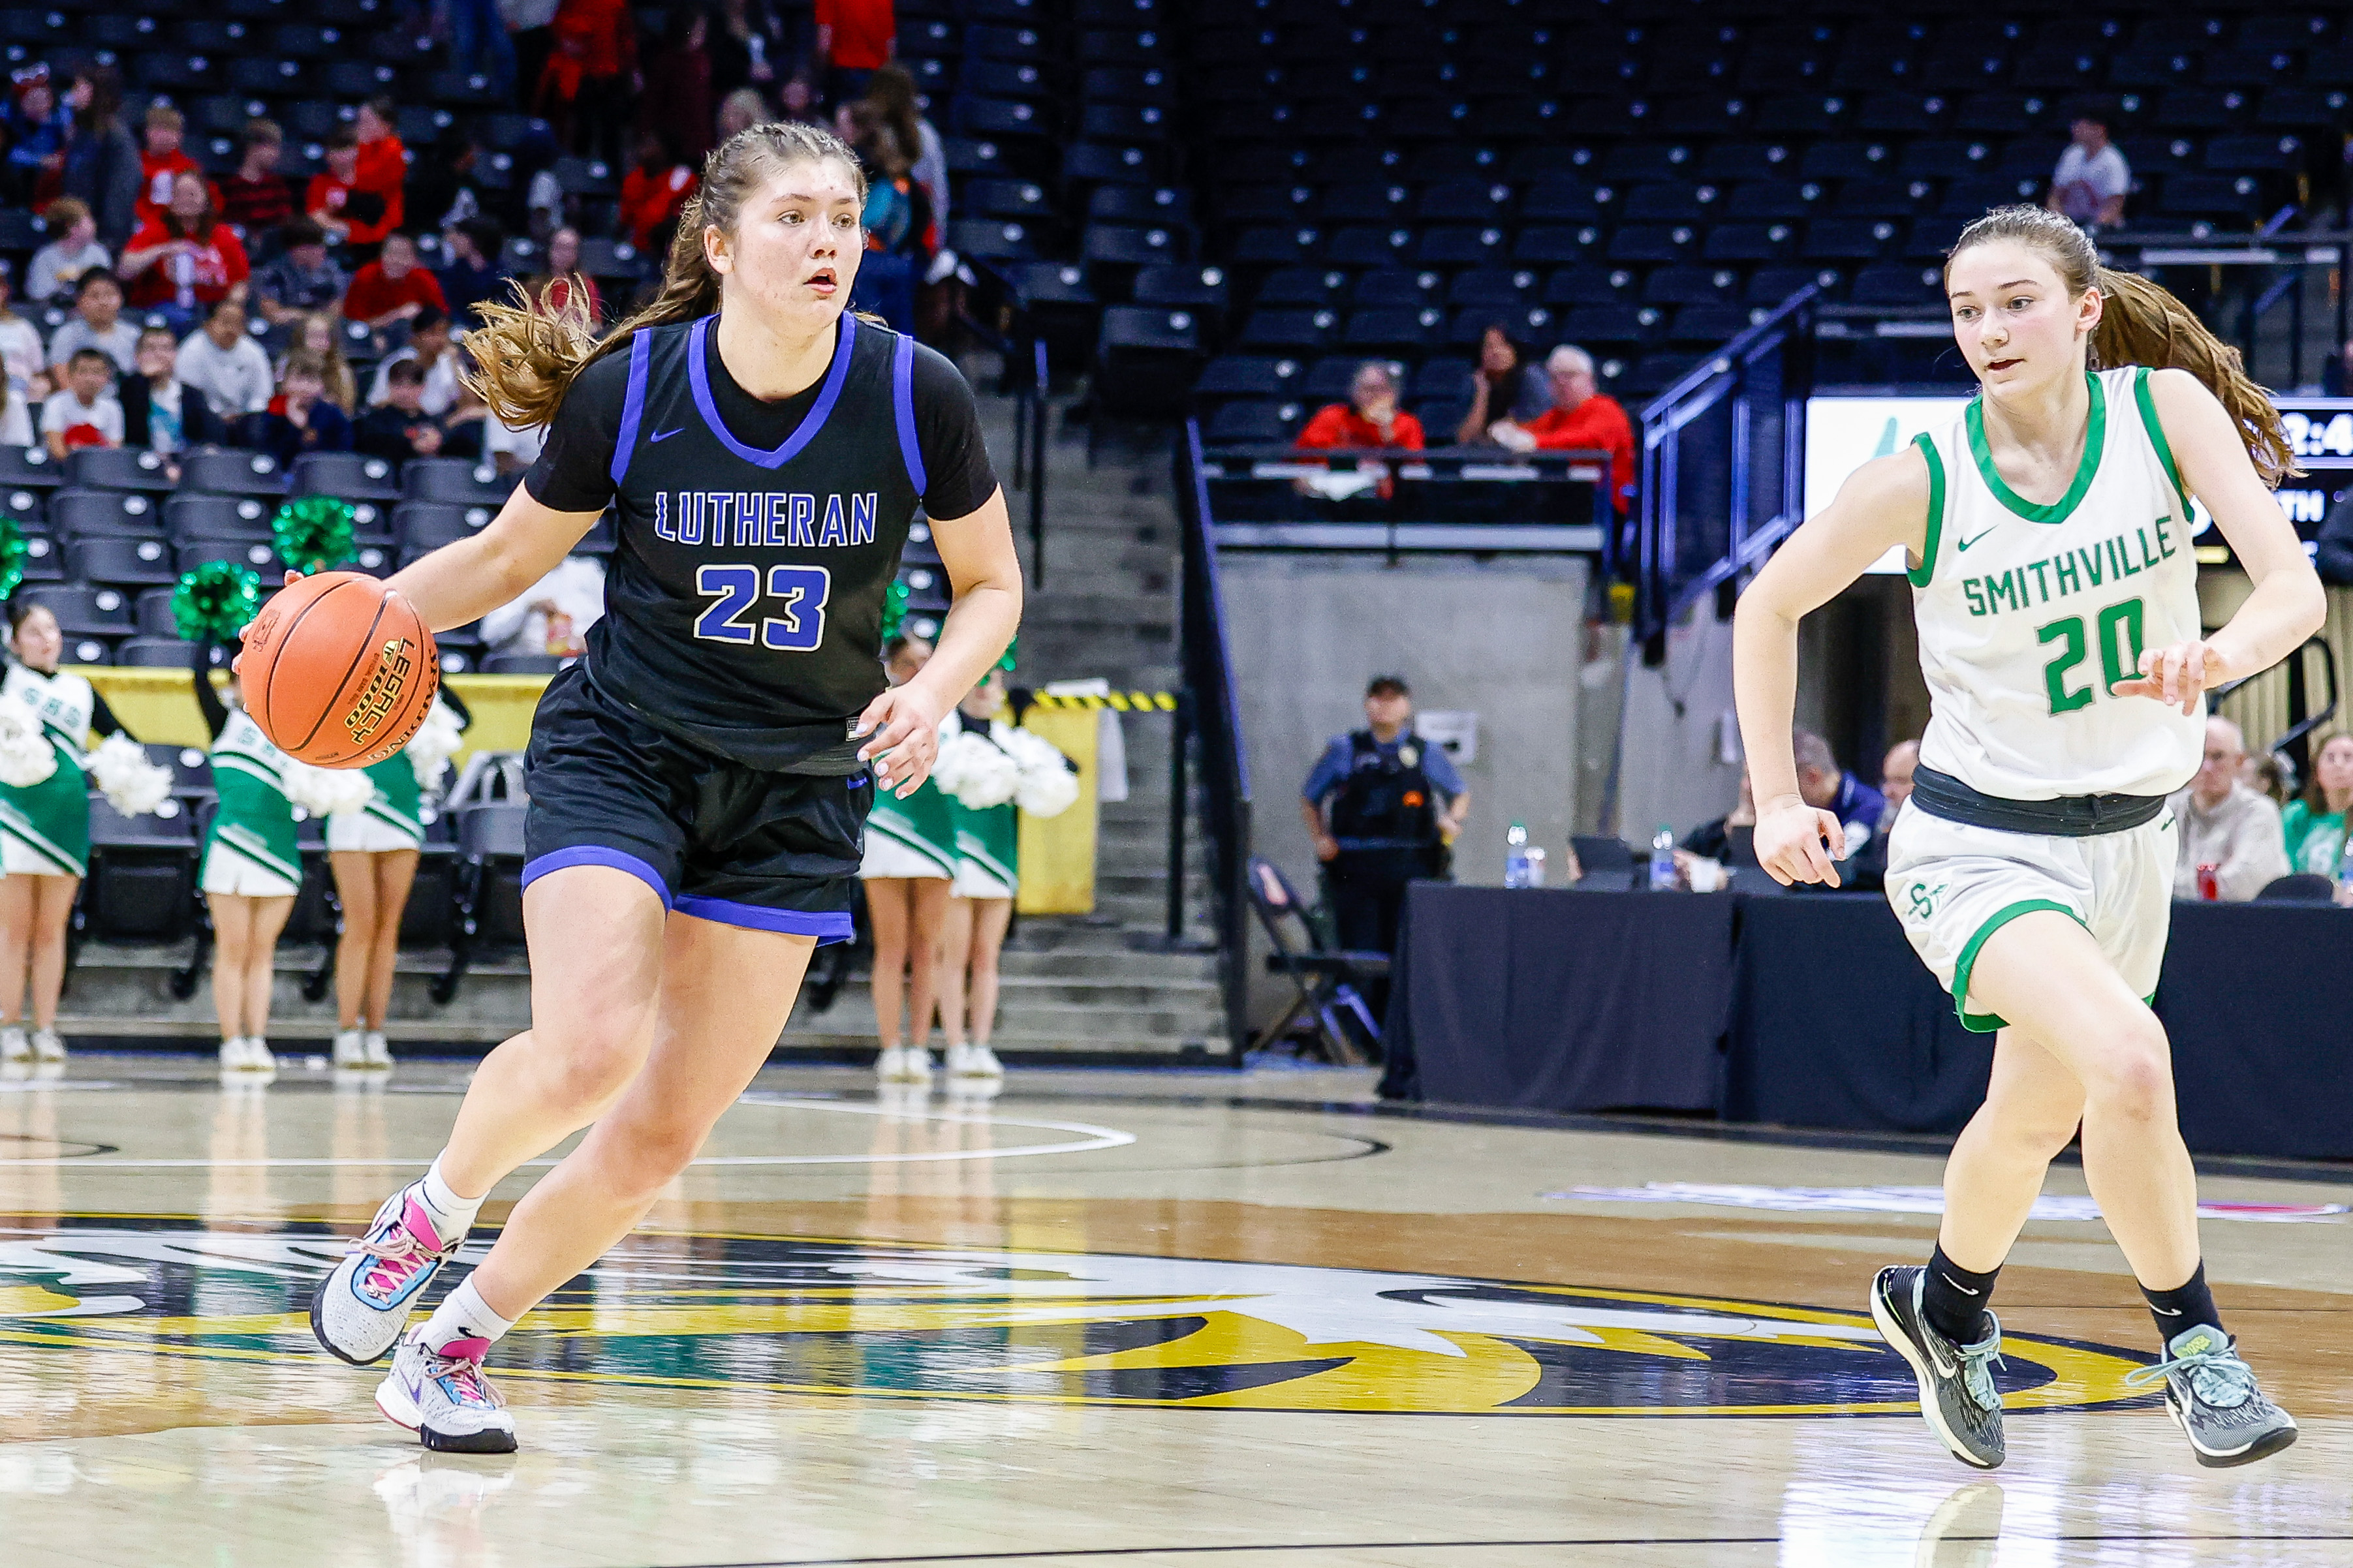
(2068, 816)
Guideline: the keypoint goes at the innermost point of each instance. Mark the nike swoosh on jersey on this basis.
(1957, 544)
(665, 435)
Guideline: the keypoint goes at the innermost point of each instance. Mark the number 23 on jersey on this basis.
(789, 618)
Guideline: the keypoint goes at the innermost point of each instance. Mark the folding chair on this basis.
(1324, 979)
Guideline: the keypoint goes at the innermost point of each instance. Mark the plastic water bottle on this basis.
(1662, 860)
(1516, 855)
(2345, 873)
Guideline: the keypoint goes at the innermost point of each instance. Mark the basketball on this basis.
(338, 671)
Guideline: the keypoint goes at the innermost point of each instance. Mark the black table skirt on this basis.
(1812, 1011)
(1561, 1000)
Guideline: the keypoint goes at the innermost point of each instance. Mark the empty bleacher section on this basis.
(1267, 194)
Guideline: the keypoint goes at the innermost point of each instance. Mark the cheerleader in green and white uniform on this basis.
(252, 871)
(910, 860)
(43, 833)
(373, 853)
(980, 905)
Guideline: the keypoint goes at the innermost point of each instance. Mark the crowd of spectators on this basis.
(1564, 410)
(173, 306)
(2241, 830)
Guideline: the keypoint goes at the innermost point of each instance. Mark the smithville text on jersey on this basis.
(787, 520)
(2126, 554)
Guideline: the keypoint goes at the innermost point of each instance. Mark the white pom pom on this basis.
(436, 741)
(976, 772)
(1048, 792)
(26, 756)
(1048, 786)
(131, 784)
(325, 792)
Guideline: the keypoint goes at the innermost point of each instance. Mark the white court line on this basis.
(1093, 1138)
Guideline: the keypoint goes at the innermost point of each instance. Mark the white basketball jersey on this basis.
(2027, 613)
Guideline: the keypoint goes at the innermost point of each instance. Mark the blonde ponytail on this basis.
(2142, 323)
(525, 356)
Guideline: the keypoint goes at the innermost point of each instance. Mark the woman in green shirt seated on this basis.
(2314, 823)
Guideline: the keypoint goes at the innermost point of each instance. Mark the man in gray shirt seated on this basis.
(2226, 825)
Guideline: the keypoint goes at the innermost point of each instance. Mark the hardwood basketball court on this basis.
(1157, 1318)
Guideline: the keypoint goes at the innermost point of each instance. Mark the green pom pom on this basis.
(895, 608)
(12, 555)
(213, 602)
(1005, 664)
(315, 533)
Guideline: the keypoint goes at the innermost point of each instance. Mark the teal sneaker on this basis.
(2212, 1394)
(1957, 1391)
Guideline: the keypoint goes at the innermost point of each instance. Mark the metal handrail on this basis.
(1210, 714)
(1787, 330)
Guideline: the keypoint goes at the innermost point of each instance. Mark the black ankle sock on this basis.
(1954, 1300)
(2183, 1307)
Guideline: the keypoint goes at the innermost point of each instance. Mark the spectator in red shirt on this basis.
(184, 259)
(393, 287)
(162, 160)
(853, 37)
(653, 191)
(1582, 419)
(257, 199)
(382, 167)
(1369, 418)
(350, 213)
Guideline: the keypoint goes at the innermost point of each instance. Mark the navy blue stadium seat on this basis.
(1253, 422)
(1250, 375)
(80, 513)
(121, 563)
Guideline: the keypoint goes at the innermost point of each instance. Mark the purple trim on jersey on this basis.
(598, 855)
(829, 927)
(698, 373)
(903, 398)
(633, 404)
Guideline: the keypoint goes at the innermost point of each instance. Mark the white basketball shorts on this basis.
(1953, 886)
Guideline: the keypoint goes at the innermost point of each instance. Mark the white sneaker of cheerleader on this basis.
(904, 1064)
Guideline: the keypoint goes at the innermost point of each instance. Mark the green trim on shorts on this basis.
(1987, 1023)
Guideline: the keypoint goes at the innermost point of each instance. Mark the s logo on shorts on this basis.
(1923, 899)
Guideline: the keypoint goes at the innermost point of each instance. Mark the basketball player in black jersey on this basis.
(699, 780)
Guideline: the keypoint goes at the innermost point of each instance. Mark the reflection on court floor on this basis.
(1179, 1319)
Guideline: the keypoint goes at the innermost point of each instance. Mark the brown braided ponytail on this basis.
(525, 355)
(2142, 323)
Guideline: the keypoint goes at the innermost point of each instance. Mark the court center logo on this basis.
(886, 1319)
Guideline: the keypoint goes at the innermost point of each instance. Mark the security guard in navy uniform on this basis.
(1383, 806)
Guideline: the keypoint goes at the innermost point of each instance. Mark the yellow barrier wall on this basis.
(160, 706)
(1057, 853)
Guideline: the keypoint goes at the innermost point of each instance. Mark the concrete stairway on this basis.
(1103, 984)
(1078, 987)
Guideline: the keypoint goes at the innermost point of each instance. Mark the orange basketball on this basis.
(338, 671)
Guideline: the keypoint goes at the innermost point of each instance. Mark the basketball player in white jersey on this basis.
(2047, 531)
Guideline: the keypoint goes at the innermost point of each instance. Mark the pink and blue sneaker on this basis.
(443, 1397)
(360, 1311)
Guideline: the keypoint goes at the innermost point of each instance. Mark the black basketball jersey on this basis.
(743, 606)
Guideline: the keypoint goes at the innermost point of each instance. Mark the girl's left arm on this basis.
(900, 727)
(2287, 605)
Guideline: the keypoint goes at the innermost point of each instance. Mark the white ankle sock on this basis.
(462, 1318)
(453, 1215)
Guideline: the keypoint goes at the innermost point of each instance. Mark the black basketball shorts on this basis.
(713, 838)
